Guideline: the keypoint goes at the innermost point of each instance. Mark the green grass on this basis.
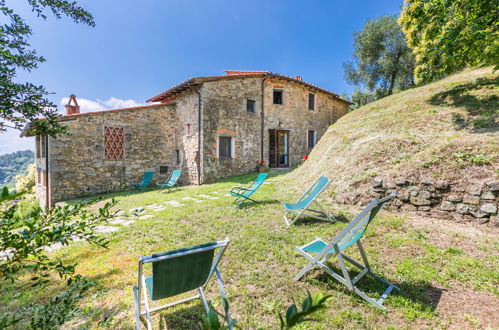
(260, 263)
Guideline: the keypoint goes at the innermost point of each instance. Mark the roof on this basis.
(172, 92)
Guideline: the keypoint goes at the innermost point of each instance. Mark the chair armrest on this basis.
(237, 189)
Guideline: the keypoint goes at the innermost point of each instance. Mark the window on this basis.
(163, 169)
(225, 147)
(177, 157)
(250, 105)
(188, 130)
(311, 139)
(113, 143)
(277, 96)
(311, 101)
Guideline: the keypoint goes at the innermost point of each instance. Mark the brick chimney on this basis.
(298, 78)
(72, 109)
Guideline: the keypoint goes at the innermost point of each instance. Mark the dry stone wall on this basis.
(442, 199)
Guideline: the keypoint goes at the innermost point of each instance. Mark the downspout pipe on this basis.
(262, 115)
(198, 158)
(47, 188)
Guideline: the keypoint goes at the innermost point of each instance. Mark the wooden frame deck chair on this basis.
(145, 182)
(171, 182)
(243, 194)
(176, 272)
(346, 238)
(302, 206)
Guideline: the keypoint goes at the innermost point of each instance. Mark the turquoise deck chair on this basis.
(347, 237)
(145, 182)
(302, 206)
(171, 182)
(176, 272)
(243, 194)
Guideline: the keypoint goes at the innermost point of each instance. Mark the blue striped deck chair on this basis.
(243, 194)
(302, 206)
(145, 182)
(347, 237)
(177, 272)
(171, 182)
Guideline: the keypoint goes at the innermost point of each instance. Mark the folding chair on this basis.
(171, 182)
(302, 206)
(243, 194)
(145, 182)
(177, 272)
(346, 238)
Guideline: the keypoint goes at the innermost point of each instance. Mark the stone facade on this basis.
(184, 131)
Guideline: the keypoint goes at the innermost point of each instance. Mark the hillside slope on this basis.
(447, 130)
(13, 164)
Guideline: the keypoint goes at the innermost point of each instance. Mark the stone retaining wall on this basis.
(442, 199)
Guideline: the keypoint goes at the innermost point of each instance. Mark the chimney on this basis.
(298, 78)
(72, 109)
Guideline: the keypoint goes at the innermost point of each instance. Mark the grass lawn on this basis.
(448, 273)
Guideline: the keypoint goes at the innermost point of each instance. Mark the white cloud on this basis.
(10, 142)
(87, 105)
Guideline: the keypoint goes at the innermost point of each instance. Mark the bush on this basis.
(5, 192)
(26, 182)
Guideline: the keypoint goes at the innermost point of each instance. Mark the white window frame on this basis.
(232, 147)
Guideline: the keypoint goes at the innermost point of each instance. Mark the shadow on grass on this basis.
(424, 296)
(482, 112)
(259, 203)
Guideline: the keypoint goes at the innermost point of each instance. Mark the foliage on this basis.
(450, 35)
(211, 321)
(360, 98)
(310, 305)
(293, 317)
(13, 164)
(5, 192)
(26, 183)
(23, 102)
(24, 208)
(25, 248)
(382, 61)
(464, 158)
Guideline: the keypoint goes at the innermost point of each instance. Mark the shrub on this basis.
(5, 192)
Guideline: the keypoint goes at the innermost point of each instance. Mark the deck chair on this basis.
(243, 194)
(145, 182)
(302, 206)
(176, 272)
(171, 182)
(346, 238)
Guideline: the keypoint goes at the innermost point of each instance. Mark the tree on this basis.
(5, 192)
(382, 60)
(449, 35)
(23, 102)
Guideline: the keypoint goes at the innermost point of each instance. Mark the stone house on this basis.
(210, 127)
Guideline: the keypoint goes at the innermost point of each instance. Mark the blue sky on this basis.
(140, 48)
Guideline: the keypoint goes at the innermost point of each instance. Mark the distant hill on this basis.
(446, 130)
(13, 164)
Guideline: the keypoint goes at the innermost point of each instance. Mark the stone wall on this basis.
(442, 199)
(225, 114)
(77, 163)
(293, 115)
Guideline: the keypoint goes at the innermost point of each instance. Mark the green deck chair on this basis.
(346, 238)
(171, 182)
(243, 194)
(302, 206)
(176, 272)
(145, 182)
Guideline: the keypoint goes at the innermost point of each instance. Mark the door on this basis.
(278, 148)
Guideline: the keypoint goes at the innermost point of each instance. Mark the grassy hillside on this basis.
(13, 164)
(444, 130)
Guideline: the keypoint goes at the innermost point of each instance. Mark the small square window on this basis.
(277, 96)
(250, 105)
(311, 101)
(311, 138)
(163, 169)
(225, 147)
